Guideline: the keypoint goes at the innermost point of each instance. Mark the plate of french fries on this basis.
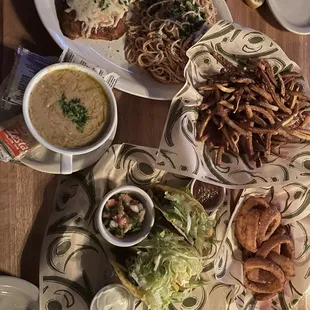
(243, 114)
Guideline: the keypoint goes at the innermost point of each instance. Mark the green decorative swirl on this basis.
(218, 34)
(186, 133)
(297, 156)
(59, 227)
(235, 35)
(177, 110)
(85, 293)
(236, 57)
(282, 301)
(252, 174)
(303, 206)
(251, 304)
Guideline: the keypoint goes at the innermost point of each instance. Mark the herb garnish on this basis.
(196, 20)
(103, 4)
(75, 111)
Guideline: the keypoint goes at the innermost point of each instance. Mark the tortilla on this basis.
(157, 193)
(115, 257)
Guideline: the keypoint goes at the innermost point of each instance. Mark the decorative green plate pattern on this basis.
(74, 265)
(234, 43)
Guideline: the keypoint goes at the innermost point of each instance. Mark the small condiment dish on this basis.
(113, 296)
(130, 239)
(219, 201)
(67, 154)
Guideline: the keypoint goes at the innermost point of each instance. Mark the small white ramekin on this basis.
(97, 305)
(147, 224)
(66, 154)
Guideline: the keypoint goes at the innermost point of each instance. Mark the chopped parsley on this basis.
(75, 111)
(179, 8)
(103, 4)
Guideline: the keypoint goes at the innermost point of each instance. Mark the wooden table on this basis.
(25, 194)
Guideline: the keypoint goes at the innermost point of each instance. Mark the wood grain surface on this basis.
(26, 196)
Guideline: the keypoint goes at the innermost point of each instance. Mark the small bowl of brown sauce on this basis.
(210, 196)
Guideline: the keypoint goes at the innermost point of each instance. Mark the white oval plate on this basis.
(292, 15)
(110, 55)
(47, 161)
(18, 294)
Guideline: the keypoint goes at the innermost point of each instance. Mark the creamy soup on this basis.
(68, 108)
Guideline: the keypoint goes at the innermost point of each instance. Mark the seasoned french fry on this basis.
(255, 110)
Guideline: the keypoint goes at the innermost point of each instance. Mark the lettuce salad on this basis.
(166, 268)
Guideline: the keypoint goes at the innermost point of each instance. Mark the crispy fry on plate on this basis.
(255, 104)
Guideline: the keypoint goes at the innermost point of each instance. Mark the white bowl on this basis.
(97, 302)
(148, 222)
(67, 154)
(220, 200)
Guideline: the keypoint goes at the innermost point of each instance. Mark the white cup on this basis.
(67, 154)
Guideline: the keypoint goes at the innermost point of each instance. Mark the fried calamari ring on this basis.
(287, 246)
(246, 229)
(253, 202)
(260, 276)
(256, 222)
(285, 263)
(268, 223)
(281, 231)
(263, 288)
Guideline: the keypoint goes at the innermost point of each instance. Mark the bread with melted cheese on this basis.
(72, 28)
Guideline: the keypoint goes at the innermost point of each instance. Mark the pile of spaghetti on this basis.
(160, 32)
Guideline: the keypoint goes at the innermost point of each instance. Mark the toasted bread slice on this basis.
(72, 28)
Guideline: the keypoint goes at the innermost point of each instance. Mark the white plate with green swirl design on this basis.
(74, 264)
(179, 137)
(110, 56)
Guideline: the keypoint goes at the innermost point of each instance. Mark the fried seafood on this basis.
(268, 250)
(255, 110)
(256, 222)
(273, 286)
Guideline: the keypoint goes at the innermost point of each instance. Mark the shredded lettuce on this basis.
(166, 268)
(191, 220)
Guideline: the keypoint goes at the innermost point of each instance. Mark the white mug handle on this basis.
(65, 164)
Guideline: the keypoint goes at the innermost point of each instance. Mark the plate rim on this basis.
(42, 166)
(57, 37)
(25, 286)
(285, 24)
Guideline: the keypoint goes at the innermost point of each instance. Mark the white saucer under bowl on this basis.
(18, 294)
(44, 160)
(292, 15)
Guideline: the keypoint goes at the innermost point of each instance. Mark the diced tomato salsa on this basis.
(123, 214)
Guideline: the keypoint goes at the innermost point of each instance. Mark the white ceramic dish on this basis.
(110, 55)
(66, 154)
(18, 294)
(292, 15)
(98, 302)
(132, 239)
(220, 201)
(48, 161)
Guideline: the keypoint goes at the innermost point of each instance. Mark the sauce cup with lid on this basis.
(130, 238)
(113, 297)
(101, 139)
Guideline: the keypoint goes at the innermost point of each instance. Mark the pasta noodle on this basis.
(160, 32)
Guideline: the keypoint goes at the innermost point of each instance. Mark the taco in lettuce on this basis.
(186, 214)
(162, 269)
